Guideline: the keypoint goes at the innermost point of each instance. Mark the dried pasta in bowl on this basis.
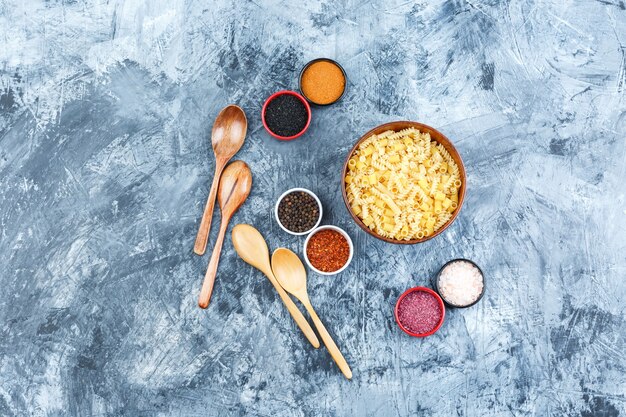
(402, 185)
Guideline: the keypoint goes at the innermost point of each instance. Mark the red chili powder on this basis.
(419, 312)
(328, 250)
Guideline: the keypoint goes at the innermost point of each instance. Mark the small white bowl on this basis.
(338, 229)
(319, 204)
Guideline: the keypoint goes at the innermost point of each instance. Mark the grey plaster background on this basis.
(105, 164)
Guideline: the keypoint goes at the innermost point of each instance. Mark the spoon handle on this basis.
(205, 224)
(328, 341)
(294, 311)
(209, 277)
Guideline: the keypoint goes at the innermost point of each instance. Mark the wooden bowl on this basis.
(436, 136)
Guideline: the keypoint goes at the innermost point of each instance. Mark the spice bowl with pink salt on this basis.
(420, 312)
(460, 283)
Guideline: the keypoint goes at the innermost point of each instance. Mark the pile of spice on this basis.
(298, 212)
(419, 312)
(328, 250)
(286, 115)
(460, 283)
(323, 82)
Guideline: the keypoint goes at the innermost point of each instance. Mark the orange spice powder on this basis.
(323, 82)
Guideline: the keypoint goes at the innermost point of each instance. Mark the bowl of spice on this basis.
(328, 250)
(460, 283)
(298, 211)
(286, 115)
(420, 312)
(323, 81)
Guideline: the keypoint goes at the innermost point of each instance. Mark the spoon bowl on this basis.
(235, 186)
(289, 270)
(251, 247)
(229, 131)
(227, 137)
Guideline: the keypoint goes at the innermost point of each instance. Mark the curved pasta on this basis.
(449, 184)
(442, 219)
(434, 167)
(444, 152)
(434, 185)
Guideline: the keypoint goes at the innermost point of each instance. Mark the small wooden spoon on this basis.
(252, 248)
(229, 132)
(234, 188)
(291, 275)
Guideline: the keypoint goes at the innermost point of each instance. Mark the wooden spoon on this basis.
(252, 248)
(291, 275)
(234, 188)
(229, 132)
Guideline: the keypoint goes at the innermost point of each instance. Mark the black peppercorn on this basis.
(298, 211)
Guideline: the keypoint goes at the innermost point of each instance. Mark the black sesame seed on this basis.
(286, 115)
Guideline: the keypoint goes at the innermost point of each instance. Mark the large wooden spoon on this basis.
(229, 132)
(234, 188)
(291, 275)
(252, 248)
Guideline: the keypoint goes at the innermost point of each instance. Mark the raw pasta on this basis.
(402, 185)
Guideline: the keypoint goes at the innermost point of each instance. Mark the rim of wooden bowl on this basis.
(436, 136)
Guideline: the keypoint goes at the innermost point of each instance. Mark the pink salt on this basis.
(419, 312)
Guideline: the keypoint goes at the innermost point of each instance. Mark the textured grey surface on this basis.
(106, 109)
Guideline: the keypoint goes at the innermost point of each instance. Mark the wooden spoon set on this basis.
(286, 272)
(234, 182)
(231, 185)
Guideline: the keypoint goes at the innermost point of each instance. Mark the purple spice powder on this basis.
(419, 312)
